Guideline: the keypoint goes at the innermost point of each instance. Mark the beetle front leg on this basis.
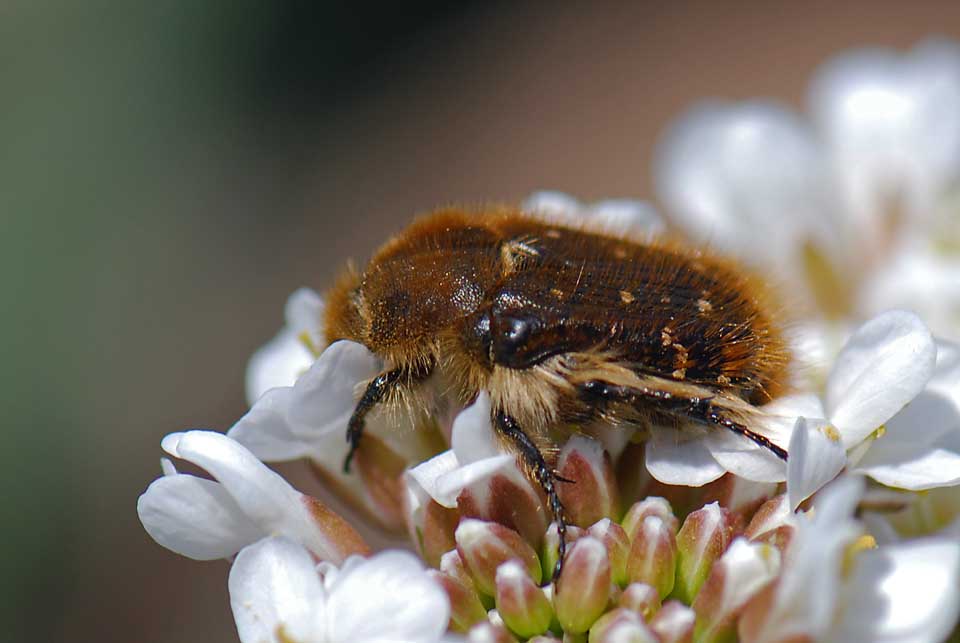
(545, 476)
(375, 392)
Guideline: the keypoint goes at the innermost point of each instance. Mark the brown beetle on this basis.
(562, 326)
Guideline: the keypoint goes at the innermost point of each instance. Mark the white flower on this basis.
(900, 592)
(279, 595)
(209, 519)
(284, 358)
(855, 207)
(616, 216)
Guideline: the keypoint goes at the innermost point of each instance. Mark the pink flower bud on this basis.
(653, 555)
(510, 500)
(702, 540)
(484, 546)
(487, 632)
(614, 538)
(551, 546)
(741, 573)
(653, 506)
(583, 591)
(619, 626)
(381, 470)
(642, 599)
(674, 623)
(593, 494)
(521, 603)
(465, 607)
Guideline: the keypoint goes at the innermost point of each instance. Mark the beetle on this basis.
(562, 325)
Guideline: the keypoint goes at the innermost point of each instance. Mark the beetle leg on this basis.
(544, 475)
(376, 390)
(698, 409)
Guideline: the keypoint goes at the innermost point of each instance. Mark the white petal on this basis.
(304, 313)
(285, 357)
(387, 598)
(674, 458)
(744, 177)
(279, 362)
(780, 415)
(883, 366)
(267, 433)
(196, 518)
(473, 438)
(324, 395)
(449, 485)
(309, 419)
(816, 457)
(558, 206)
(917, 278)
(748, 568)
(907, 592)
(892, 124)
(263, 495)
(273, 584)
(626, 217)
(744, 458)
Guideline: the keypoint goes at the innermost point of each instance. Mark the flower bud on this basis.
(653, 555)
(465, 607)
(702, 539)
(484, 546)
(381, 470)
(743, 570)
(583, 591)
(642, 599)
(652, 506)
(551, 546)
(487, 632)
(593, 494)
(521, 603)
(507, 498)
(614, 538)
(452, 565)
(674, 623)
(621, 626)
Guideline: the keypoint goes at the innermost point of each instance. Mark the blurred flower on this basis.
(280, 595)
(856, 210)
(900, 592)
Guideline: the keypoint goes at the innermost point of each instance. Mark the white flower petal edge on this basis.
(309, 419)
(883, 366)
(387, 598)
(276, 594)
(816, 457)
(285, 357)
(920, 448)
(907, 592)
(475, 457)
(615, 216)
(806, 594)
(248, 501)
(675, 458)
(891, 124)
(745, 177)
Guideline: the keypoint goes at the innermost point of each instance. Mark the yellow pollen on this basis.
(704, 306)
(308, 343)
(626, 297)
(862, 543)
(880, 432)
(831, 432)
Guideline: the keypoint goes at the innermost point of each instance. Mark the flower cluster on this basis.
(674, 535)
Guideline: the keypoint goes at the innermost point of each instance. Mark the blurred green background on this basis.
(172, 170)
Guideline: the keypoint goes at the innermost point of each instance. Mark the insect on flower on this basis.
(563, 327)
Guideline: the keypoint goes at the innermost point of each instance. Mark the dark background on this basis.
(170, 171)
